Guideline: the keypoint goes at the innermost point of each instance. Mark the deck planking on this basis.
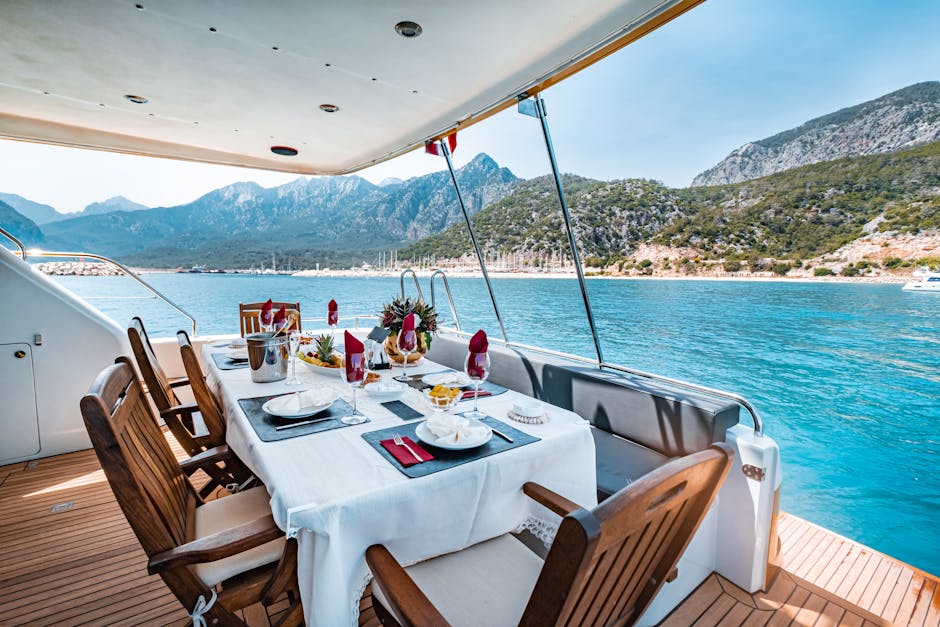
(84, 566)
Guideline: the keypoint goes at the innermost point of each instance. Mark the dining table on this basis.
(337, 493)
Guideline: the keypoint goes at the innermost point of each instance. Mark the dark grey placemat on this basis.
(416, 382)
(264, 423)
(224, 363)
(443, 458)
(402, 410)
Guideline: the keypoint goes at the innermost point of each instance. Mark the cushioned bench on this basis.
(639, 424)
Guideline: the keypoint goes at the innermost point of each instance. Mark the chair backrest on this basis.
(154, 494)
(158, 384)
(249, 316)
(212, 415)
(605, 566)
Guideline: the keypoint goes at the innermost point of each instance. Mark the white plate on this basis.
(303, 412)
(238, 354)
(424, 434)
(450, 379)
(330, 372)
(384, 391)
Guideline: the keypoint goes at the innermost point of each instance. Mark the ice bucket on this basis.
(267, 357)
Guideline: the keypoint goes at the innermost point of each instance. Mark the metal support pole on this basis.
(473, 239)
(576, 257)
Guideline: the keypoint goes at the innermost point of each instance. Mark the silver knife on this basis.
(502, 435)
(302, 423)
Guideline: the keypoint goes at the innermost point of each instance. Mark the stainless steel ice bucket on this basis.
(267, 357)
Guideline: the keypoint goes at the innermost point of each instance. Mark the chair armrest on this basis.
(185, 408)
(209, 456)
(179, 382)
(401, 592)
(217, 546)
(552, 500)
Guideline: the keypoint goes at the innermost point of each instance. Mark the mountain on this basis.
(34, 211)
(799, 213)
(901, 119)
(19, 226)
(117, 203)
(244, 221)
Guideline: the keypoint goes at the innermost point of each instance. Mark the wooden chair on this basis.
(181, 418)
(197, 547)
(249, 316)
(604, 567)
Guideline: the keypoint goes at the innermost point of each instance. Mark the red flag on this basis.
(433, 148)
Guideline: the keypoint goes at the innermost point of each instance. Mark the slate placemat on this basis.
(264, 423)
(402, 410)
(443, 458)
(224, 363)
(416, 382)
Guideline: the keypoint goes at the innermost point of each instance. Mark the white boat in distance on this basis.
(925, 280)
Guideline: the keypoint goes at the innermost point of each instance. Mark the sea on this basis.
(846, 376)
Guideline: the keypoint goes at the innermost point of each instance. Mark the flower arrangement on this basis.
(392, 315)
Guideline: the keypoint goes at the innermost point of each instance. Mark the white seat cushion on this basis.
(228, 512)
(486, 584)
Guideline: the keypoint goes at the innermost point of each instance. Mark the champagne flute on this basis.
(267, 320)
(478, 369)
(293, 343)
(407, 343)
(354, 374)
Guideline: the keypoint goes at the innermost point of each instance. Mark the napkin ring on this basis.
(529, 420)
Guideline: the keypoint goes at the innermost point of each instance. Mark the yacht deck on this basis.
(82, 565)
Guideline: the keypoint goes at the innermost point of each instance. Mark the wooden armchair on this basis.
(216, 557)
(249, 316)
(604, 567)
(182, 418)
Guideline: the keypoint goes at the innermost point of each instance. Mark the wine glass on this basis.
(407, 343)
(293, 343)
(266, 318)
(477, 369)
(354, 374)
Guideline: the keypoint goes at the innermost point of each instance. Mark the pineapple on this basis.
(324, 344)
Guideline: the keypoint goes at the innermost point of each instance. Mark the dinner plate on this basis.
(424, 434)
(330, 372)
(303, 412)
(450, 379)
(384, 391)
(238, 354)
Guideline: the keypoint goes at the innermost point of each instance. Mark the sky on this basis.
(666, 107)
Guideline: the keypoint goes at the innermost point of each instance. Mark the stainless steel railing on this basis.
(355, 319)
(450, 299)
(414, 276)
(13, 239)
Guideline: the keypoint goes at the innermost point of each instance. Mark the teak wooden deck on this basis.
(82, 565)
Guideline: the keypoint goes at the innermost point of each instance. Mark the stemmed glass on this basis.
(267, 321)
(354, 374)
(477, 369)
(293, 344)
(407, 343)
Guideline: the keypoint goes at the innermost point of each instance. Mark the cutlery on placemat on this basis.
(502, 435)
(397, 440)
(301, 423)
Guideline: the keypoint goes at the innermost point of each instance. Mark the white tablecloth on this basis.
(341, 496)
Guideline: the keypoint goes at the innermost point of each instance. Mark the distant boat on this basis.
(925, 280)
(197, 269)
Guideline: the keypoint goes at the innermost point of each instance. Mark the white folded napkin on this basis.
(450, 429)
(297, 403)
(457, 379)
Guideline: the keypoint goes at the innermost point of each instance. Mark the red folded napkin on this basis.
(332, 313)
(408, 323)
(265, 314)
(354, 355)
(401, 453)
(280, 317)
(470, 394)
(478, 346)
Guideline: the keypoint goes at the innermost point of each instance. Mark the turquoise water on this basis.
(846, 376)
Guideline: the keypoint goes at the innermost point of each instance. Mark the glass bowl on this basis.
(442, 403)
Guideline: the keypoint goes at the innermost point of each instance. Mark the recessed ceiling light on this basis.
(284, 151)
(136, 99)
(408, 29)
(329, 108)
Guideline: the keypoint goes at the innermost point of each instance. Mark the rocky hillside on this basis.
(118, 203)
(901, 119)
(19, 226)
(242, 224)
(797, 214)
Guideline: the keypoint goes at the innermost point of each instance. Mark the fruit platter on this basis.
(319, 355)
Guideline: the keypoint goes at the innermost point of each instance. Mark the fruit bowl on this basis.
(442, 401)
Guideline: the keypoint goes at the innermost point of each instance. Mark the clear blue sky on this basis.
(666, 107)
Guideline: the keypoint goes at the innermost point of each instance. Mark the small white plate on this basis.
(424, 434)
(238, 354)
(450, 379)
(303, 412)
(384, 391)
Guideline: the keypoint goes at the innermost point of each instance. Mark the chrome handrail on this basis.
(356, 318)
(414, 275)
(731, 396)
(450, 299)
(130, 273)
(16, 241)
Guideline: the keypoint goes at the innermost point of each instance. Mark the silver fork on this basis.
(397, 440)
